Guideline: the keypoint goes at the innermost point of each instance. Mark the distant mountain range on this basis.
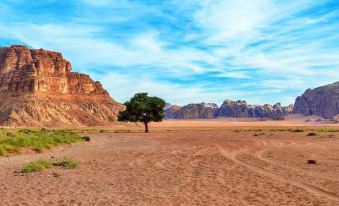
(237, 109)
(322, 101)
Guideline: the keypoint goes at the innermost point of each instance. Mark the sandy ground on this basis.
(184, 165)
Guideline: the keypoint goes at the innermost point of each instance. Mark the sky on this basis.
(262, 51)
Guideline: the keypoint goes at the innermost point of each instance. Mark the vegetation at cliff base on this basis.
(11, 141)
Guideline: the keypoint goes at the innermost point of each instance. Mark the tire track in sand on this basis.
(314, 190)
(260, 155)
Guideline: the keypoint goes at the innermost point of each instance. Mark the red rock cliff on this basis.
(38, 88)
(41, 71)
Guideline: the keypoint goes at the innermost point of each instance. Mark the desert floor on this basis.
(185, 163)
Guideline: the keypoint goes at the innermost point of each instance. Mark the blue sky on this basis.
(263, 51)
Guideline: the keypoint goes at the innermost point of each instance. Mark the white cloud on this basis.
(122, 87)
(256, 40)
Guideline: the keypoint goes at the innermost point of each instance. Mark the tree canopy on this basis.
(142, 108)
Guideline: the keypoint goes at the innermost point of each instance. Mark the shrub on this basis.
(311, 162)
(86, 138)
(37, 166)
(9, 134)
(67, 163)
(43, 130)
(36, 140)
(327, 130)
(258, 134)
(312, 134)
(254, 130)
(40, 165)
(297, 130)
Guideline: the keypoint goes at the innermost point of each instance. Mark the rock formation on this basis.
(237, 109)
(37, 88)
(191, 111)
(240, 108)
(322, 101)
(336, 118)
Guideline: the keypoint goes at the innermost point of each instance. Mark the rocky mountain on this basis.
(322, 101)
(191, 111)
(229, 108)
(38, 88)
(242, 109)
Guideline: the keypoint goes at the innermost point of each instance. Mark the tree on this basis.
(142, 108)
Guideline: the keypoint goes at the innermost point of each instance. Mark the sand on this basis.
(185, 163)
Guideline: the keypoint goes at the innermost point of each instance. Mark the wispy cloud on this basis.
(205, 50)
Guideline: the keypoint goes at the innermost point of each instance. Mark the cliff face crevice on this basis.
(38, 88)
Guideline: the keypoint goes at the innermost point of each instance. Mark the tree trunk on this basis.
(146, 127)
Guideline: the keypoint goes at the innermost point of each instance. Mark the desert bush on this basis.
(67, 163)
(43, 130)
(312, 134)
(259, 134)
(15, 140)
(86, 138)
(327, 130)
(254, 130)
(40, 165)
(311, 162)
(297, 130)
(37, 166)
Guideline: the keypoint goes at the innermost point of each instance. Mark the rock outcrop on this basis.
(37, 88)
(242, 109)
(191, 111)
(322, 101)
(229, 108)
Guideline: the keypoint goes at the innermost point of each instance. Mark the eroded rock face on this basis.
(237, 109)
(37, 88)
(322, 101)
(242, 109)
(191, 111)
(233, 109)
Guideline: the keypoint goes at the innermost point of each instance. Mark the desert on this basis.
(156, 103)
(244, 163)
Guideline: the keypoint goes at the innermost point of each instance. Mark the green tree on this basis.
(142, 108)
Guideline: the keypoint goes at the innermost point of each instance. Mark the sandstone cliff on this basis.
(322, 101)
(242, 109)
(191, 111)
(229, 108)
(37, 88)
